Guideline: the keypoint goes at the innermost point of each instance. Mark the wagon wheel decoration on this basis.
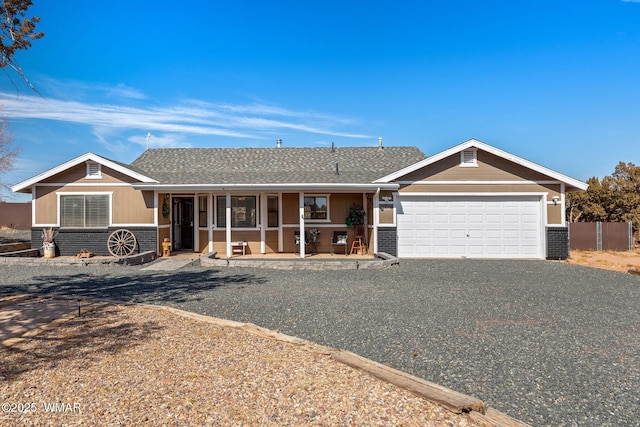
(121, 243)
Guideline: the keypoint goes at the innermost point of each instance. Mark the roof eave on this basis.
(493, 150)
(25, 186)
(267, 187)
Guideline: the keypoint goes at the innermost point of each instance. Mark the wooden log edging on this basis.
(450, 399)
(493, 418)
(447, 398)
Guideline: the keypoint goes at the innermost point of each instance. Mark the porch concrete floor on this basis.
(288, 255)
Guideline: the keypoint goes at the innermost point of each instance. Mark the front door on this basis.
(182, 222)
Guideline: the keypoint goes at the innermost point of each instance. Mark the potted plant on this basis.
(49, 248)
(355, 219)
(313, 235)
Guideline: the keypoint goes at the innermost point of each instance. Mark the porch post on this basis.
(228, 223)
(376, 219)
(366, 224)
(210, 221)
(302, 240)
(263, 223)
(280, 233)
(196, 222)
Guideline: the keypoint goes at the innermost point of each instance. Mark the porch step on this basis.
(169, 264)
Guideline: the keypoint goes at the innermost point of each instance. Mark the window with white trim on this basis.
(94, 170)
(469, 157)
(243, 211)
(84, 210)
(316, 208)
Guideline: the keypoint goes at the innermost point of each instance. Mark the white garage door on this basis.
(473, 227)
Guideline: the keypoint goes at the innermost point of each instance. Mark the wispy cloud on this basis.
(78, 90)
(631, 1)
(190, 117)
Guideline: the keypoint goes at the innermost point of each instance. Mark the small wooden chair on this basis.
(358, 245)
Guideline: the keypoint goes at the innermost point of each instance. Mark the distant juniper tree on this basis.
(615, 198)
(17, 31)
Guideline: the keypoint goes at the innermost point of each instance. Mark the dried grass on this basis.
(132, 365)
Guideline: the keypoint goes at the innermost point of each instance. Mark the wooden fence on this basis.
(601, 236)
(15, 215)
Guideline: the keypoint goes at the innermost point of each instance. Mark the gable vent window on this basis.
(94, 171)
(469, 158)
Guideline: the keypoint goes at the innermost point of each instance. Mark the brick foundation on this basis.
(388, 240)
(557, 242)
(69, 241)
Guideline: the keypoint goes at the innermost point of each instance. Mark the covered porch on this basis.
(254, 224)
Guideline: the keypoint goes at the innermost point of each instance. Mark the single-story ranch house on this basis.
(472, 200)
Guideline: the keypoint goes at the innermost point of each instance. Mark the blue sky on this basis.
(555, 82)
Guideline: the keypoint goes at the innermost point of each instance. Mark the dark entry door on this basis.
(182, 223)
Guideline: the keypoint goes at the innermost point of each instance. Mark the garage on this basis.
(470, 226)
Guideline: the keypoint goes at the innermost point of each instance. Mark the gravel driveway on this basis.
(545, 342)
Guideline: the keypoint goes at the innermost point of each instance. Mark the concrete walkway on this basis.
(28, 314)
(171, 264)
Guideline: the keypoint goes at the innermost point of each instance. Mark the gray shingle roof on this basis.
(356, 165)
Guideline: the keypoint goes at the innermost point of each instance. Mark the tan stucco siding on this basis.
(129, 206)
(162, 220)
(132, 206)
(386, 216)
(290, 208)
(340, 205)
(46, 204)
(203, 236)
(271, 241)
(490, 168)
(477, 188)
(554, 214)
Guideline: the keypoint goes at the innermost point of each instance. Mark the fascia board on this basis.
(488, 148)
(28, 183)
(267, 187)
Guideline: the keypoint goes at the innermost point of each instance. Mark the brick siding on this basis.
(557, 242)
(388, 240)
(69, 242)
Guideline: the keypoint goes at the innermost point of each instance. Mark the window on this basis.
(315, 207)
(469, 157)
(203, 209)
(94, 170)
(84, 211)
(272, 211)
(243, 211)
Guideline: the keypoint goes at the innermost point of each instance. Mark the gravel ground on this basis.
(10, 235)
(138, 365)
(545, 342)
